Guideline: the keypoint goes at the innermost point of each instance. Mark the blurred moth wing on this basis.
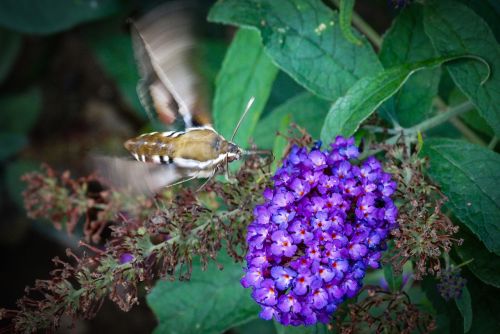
(164, 46)
(137, 178)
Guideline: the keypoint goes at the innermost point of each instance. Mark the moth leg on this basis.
(210, 177)
(182, 181)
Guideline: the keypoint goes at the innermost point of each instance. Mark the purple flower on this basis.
(318, 297)
(256, 235)
(300, 188)
(282, 199)
(322, 225)
(318, 159)
(126, 258)
(321, 221)
(289, 303)
(300, 232)
(263, 215)
(282, 244)
(282, 217)
(283, 277)
(266, 294)
(302, 283)
(253, 277)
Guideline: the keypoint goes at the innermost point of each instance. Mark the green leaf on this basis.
(319, 328)
(448, 318)
(114, 52)
(455, 29)
(10, 144)
(406, 42)
(11, 43)
(484, 264)
(303, 37)
(18, 113)
(465, 308)
(49, 16)
(345, 17)
(280, 142)
(471, 118)
(246, 72)
(485, 307)
(211, 302)
(306, 110)
(468, 176)
(489, 10)
(393, 281)
(254, 326)
(349, 111)
(284, 88)
(211, 54)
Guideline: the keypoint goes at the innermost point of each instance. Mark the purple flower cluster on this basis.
(322, 225)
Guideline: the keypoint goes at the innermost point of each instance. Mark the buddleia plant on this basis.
(377, 211)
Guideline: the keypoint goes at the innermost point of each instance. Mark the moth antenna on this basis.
(249, 105)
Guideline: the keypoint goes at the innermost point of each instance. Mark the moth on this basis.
(169, 87)
(197, 152)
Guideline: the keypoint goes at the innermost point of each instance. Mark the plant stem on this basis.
(364, 27)
(458, 124)
(428, 124)
(440, 118)
(463, 264)
(493, 143)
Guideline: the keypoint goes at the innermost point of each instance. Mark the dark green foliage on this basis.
(211, 302)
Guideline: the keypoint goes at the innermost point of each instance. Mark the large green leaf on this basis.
(406, 42)
(489, 10)
(484, 263)
(455, 29)
(485, 307)
(303, 37)
(280, 142)
(255, 326)
(393, 279)
(319, 328)
(448, 318)
(468, 176)
(349, 111)
(10, 44)
(18, 113)
(211, 302)
(284, 88)
(306, 110)
(464, 305)
(49, 16)
(246, 72)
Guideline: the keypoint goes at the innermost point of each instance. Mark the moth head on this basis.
(234, 152)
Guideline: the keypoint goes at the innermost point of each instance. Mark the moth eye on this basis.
(233, 148)
(217, 144)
